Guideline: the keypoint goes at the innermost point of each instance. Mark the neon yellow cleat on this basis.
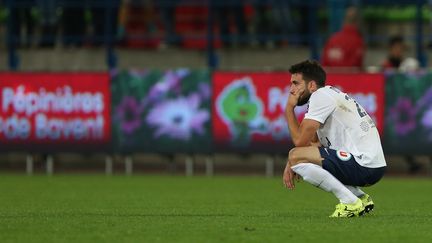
(367, 203)
(348, 210)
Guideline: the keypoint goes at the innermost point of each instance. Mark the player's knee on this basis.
(291, 153)
(294, 156)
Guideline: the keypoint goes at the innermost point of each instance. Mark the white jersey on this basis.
(346, 126)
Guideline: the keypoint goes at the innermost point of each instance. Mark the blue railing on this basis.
(105, 15)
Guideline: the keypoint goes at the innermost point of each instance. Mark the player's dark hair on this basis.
(311, 70)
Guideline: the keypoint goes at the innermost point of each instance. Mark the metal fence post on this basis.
(108, 165)
(128, 165)
(270, 166)
(212, 61)
(11, 39)
(421, 57)
(29, 164)
(209, 165)
(313, 30)
(49, 165)
(189, 163)
(109, 36)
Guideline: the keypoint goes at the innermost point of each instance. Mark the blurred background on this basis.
(199, 86)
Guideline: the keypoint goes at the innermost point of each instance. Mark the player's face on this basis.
(299, 88)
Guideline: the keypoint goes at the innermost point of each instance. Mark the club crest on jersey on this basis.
(342, 155)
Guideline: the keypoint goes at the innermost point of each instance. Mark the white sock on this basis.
(356, 190)
(319, 177)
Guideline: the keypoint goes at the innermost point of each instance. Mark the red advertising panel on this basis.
(248, 111)
(54, 111)
(248, 108)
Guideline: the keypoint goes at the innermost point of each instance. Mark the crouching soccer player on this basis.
(337, 145)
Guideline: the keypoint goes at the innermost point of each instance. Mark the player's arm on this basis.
(315, 142)
(293, 124)
(305, 136)
(301, 134)
(320, 107)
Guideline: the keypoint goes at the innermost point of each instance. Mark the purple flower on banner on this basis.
(128, 112)
(178, 118)
(170, 81)
(425, 100)
(204, 90)
(426, 120)
(403, 116)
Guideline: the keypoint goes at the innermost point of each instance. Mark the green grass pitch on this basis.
(143, 208)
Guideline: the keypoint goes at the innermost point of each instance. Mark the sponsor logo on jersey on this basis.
(342, 155)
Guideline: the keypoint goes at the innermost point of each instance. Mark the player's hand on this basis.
(294, 97)
(288, 177)
(316, 144)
